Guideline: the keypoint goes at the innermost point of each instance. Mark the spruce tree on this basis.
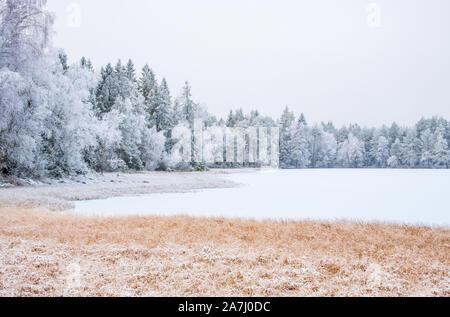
(440, 149)
(63, 60)
(427, 148)
(189, 107)
(130, 71)
(410, 150)
(395, 158)
(148, 88)
(300, 156)
(163, 108)
(382, 152)
(302, 119)
(231, 121)
(286, 129)
(106, 92)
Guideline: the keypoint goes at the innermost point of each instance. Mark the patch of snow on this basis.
(416, 197)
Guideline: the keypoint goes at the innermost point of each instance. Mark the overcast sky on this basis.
(345, 61)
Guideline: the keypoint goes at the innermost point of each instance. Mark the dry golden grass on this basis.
(50, 254)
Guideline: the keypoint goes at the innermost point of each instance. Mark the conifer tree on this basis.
(163, 111)
(188, 106)
(286, 129)
(427, 148)
(382, 152)
(300, 155)
(440, 150)
(148, 87)
(410, 150)
(130, 71)
(106, 92)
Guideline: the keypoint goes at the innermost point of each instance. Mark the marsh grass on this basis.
(182, 256)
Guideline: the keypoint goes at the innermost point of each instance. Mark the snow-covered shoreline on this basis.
(56, 195)
(352, 195)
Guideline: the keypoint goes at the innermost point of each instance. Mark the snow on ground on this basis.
(399, 196)
(59, 195)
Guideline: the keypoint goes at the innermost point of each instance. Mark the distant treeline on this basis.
(324, 146)
(58, 119)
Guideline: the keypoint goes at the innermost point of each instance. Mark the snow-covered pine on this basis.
(300, 155)
(410, 149)
(162, 110)
(286, 123)
(395, 158)
(426, 147)
(188, 106)
(382, 152)
(148, 87)
(441, 154)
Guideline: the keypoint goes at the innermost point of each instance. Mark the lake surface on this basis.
(398, 196)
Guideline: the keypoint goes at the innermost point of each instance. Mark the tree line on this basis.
(324, 146)
(59, 119)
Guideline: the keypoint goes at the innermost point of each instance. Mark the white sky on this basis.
(319, 57)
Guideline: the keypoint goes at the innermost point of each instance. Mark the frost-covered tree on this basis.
(395, 157)
(45, 103)
(231, 120)
(351, 152)
(441, 154)
(19, 129)
(148, 87)
(127, 136)
(382, 152)
(368, 136)
(107, 90)
(300, 155)
(411, 147)
(24, 76)
(394, 133)
(239, 115)
(427, 148)
(124, 85)
(130, 72)
(315, 140)
(139, 146)
(286, 130)
(255, 119)
(162, 111)
(25, 29)
(177, 114)
(103, 157)
(342, 135)
(63, 60)
(326, 150)
(188, 106)
(69, 126)
(302, 119)
(86, 63)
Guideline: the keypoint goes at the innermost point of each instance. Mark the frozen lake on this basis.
(399, 196)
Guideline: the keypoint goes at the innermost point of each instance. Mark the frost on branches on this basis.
(59, 118)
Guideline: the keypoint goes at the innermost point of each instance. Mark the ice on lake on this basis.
(398, 196)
